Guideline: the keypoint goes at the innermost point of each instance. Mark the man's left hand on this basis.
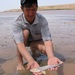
(54, 61)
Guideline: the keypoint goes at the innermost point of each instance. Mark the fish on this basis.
(43, 68)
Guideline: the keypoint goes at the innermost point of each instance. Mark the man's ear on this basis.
(22, 8)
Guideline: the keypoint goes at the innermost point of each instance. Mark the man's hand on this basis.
(33, 64)
(54, 61)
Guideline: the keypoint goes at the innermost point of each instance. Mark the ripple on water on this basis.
(1, 71)
(2, 60)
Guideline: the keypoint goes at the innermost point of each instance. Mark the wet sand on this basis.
(63, 35)
(9, 68)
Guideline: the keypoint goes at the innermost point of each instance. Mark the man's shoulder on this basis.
(18, 21)
(20, 17)
(41, 17)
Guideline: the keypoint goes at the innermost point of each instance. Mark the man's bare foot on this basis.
(20, 67)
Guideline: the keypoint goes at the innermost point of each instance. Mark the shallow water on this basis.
(61, 24)
(62, 28)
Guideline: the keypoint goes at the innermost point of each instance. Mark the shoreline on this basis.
(45, 8)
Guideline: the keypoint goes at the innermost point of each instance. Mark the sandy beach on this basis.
(62, 28)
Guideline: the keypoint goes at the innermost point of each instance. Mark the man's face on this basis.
(30, 13)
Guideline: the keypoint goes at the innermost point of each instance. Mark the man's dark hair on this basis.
(28, 3)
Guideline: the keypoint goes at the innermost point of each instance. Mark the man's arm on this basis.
(49, 48)
(46, 36)
(24, 52)
(52, 60)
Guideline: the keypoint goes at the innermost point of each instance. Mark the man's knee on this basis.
(32, 46)
(26, 35)
(26, 32)
(38, 46)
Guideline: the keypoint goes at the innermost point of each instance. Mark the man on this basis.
(31, 29)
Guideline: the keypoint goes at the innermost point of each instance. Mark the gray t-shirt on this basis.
(39, 29)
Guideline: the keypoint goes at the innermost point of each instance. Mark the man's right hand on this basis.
(33, 64)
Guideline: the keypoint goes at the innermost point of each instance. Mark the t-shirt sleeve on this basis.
(17, 33)
(45, 32)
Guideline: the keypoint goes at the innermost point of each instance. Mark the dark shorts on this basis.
(30, 39)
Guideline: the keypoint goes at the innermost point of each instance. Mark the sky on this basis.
(15, 4)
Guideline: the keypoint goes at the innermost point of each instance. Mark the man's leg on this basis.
(20, 61)
(19, 56)
(37, 45)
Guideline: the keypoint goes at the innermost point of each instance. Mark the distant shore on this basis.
(55, 7)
